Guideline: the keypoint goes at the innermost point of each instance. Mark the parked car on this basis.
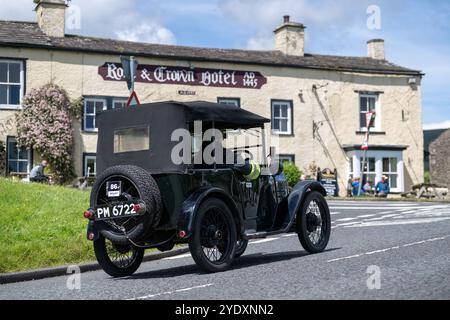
(144, 199)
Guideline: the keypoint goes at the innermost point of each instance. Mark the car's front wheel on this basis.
(314, 223)
(213, 241)
(117, 260)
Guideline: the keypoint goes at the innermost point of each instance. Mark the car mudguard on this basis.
(296, 198)
(191, 205)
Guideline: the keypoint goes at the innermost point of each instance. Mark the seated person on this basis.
(382, 188)
(368, 187)
(355, 187)
(37, 173)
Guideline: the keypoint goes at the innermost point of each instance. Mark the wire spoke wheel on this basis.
(121, 256)
(215, 236)
(314, 223)
(117, 260)
(213, 242)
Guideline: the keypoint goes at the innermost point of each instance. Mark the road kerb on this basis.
(84, 267)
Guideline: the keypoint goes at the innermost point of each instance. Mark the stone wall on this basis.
(440, 160)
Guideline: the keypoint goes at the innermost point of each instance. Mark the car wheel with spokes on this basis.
(213, 241)
(117, 260)
(314, 223)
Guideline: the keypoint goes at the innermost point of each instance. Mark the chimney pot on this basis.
(290, 38)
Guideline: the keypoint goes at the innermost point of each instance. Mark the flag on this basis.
(370, 117)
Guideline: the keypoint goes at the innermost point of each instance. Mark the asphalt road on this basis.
(377, 250)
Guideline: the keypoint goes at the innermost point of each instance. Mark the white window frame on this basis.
(377, 123)
(289, 130)
(22, 86)
(85, 160)
(356, 155)
(8, 159)
(85, 114)
(118, 100)
(229, 101)
(390, 172)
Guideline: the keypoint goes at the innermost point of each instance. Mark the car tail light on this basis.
(139, 207)
(181, 234)
(91, 236)
(88, 214)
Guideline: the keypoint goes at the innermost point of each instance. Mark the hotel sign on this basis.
(186, 76)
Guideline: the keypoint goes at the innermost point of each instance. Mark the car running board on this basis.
(263, 234)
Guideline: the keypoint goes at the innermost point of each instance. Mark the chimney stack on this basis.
(290, 38)
(51, 17)
(375, 49)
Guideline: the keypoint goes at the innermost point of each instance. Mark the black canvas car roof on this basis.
(223, 116)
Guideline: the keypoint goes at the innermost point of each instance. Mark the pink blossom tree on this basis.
(45, 124)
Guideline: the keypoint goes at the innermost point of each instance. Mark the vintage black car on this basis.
(143, 198)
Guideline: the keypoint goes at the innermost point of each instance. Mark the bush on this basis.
(45, 124)
(292, 173)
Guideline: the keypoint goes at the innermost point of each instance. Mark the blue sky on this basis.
(417, 33)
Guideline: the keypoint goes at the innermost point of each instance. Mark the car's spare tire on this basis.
(136, 185)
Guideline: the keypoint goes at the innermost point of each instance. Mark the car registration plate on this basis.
(122, 210)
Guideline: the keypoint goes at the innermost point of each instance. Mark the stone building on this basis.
(440, 160)
(317, 103)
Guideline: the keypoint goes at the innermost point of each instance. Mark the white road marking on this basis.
(347, 219)
(367, 216)
(396, 222)
(372, 208)
(389, 249)
(171, 292)
(333, 213)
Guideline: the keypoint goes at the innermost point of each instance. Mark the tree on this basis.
(45, 124)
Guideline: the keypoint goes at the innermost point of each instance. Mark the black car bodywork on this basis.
(260, 207)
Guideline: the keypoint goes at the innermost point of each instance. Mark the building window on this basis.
(11, 84)
(119, 103)
(91, 107)
(368, 103)
(379, 162)
(369, 170)
(18, 158)
(282, 117)
(286, 158)
(89, 165)
(230, 101)
(390, 170)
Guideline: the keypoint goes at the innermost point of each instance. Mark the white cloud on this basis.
(437, 125)
(148, 32)
(260, 42)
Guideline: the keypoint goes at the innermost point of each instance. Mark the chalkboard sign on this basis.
(328, 179)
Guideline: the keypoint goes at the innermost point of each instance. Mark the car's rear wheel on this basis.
(213, 241)
(117, 260)
(137, 185)
(241, 245)
(314, 223)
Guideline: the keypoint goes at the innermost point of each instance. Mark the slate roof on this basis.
(28, 34)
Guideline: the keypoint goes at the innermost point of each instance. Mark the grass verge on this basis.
(42, 226)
